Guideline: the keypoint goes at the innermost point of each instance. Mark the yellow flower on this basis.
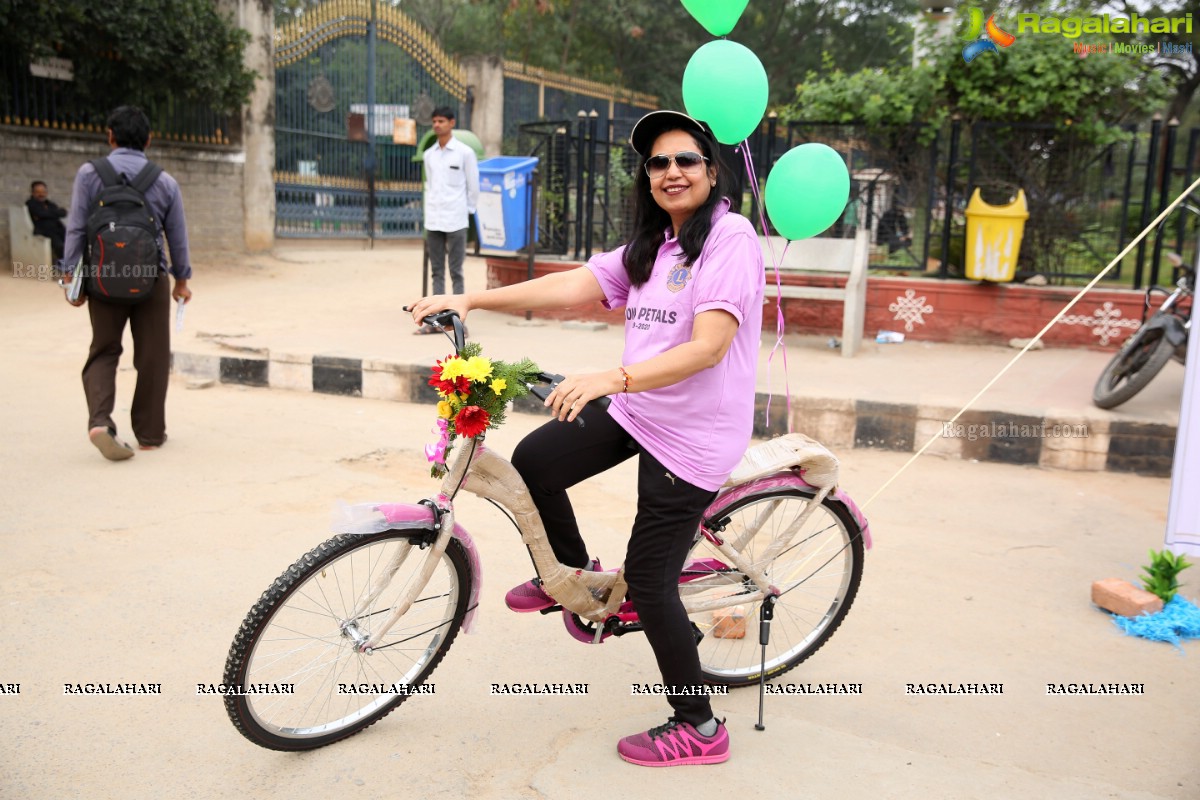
(444, 409)
(499, 385)
(477, 368)
(452, 368)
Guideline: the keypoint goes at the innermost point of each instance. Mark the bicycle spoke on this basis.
(311, 640)
(808, 553)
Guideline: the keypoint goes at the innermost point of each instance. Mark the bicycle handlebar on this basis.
(551, 380)
(441, 320)
(547, 380)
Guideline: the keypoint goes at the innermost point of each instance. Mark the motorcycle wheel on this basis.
(1134, 366)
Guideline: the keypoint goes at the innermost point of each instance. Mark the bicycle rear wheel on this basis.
(300, 635)
(817, 574)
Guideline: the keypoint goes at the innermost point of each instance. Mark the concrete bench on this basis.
(844, 258)
(29, 250)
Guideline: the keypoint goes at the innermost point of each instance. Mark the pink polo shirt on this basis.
(699, 427)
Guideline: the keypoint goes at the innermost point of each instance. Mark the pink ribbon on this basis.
(436, 453)
(776, 261)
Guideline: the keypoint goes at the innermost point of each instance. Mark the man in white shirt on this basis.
(451, 194)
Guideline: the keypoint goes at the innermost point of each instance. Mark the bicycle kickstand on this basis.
(765, 613)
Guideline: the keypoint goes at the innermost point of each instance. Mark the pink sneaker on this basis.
(673, 744)
(527, 597)
(530, 596)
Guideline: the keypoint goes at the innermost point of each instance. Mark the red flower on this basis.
(471, 421)
(460, 385)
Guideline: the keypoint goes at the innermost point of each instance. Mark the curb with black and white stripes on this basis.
(1065, 441)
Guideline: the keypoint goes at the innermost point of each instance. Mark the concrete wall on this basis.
(485, 77)
(228, 192)
(210, 177)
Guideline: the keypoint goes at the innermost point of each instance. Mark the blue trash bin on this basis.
(502, 217)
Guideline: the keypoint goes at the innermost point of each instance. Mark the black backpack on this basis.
(123, 237)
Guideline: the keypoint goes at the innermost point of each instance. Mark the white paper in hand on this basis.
(180, 306)
(75, 287)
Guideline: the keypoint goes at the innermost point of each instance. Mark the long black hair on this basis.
(650, 220)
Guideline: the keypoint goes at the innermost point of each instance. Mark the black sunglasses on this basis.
(687, 160)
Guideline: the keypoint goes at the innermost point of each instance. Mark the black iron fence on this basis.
(912, 186)
(44, 96)
(586, 181)
(1085, 202)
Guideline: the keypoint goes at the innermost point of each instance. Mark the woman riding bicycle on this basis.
(691, 281)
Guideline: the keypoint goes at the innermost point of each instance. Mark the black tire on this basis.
(295, 636)
(1133, 367)
(818, 575)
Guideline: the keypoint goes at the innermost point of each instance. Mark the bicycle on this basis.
(379, 604)
(1156, 341)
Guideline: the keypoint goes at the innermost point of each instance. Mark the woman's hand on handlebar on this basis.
(439, 302)
(574, 392)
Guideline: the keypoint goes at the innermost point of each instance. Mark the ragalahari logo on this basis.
(983, 37)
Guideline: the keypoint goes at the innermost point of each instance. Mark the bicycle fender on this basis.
(364, 518)
(1172, 328)
(785, 480)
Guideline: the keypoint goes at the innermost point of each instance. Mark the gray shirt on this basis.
(164, 199)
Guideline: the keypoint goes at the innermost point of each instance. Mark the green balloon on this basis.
(725, 85)
(717, 16)
(463, 135)
(807, 190)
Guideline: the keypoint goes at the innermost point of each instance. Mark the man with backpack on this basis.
(122, 208)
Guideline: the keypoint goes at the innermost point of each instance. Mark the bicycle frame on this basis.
(366, 589)
(490, 476)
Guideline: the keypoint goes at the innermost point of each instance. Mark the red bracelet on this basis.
(625, 379)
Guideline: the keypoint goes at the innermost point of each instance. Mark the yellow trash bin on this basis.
(994, 238)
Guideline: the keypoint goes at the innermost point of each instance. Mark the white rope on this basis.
(1036, 339)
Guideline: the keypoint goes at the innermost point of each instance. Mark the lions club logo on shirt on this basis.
(678, 277)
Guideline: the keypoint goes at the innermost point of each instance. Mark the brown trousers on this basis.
(150, 324)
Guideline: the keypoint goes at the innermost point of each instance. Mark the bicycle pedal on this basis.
(551, 610)
(583, 631)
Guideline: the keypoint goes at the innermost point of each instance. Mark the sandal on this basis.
(109, 445)
(428, 329)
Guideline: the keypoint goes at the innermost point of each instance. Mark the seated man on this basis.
(893, 230)
(47, 217)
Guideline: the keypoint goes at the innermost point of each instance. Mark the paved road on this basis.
(141, 572)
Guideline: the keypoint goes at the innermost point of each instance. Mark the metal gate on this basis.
(349, 74)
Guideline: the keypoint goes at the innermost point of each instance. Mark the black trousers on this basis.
(150, 324)
(559, 455)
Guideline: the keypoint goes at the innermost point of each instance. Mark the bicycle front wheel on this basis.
(817, 573)
(294, 677)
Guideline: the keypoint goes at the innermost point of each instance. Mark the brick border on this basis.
(1057, 442)
(951, 310)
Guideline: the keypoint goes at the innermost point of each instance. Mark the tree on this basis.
(136, 50)
(1038, 79)
(1046, 117)
(644, 46)
(1181, 68)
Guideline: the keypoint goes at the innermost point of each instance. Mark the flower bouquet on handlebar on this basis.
(473, 396)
